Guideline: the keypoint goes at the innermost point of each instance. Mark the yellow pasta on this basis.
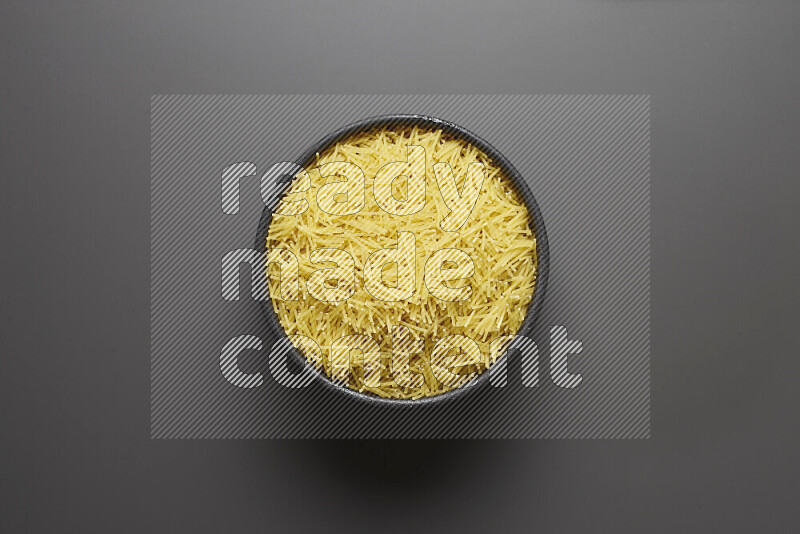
(497, 236)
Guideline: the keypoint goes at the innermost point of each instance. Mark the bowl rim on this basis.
(517, 182)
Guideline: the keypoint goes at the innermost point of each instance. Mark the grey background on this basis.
(74, 109)
(586, 158)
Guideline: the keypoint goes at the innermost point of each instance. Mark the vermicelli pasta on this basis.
(497, 236)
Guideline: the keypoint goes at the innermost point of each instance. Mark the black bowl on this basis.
(517, 182)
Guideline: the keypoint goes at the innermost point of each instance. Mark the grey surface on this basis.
(74, 102)
(585, 158)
